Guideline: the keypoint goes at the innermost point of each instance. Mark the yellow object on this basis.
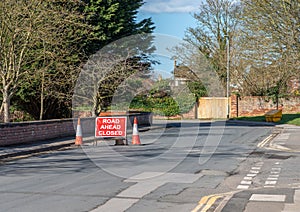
(273, 115)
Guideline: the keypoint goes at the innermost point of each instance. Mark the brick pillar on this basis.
(234, 106)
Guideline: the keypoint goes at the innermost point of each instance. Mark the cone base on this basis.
(78, 141)
(136, 140)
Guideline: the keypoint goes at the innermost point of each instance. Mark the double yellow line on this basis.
(265, 141)
(207, 202)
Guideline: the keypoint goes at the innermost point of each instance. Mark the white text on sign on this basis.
(111, 127)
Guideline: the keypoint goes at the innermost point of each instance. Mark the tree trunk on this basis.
(6, 106)
(42, 96)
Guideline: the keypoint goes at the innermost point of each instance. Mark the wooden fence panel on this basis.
(212, 108)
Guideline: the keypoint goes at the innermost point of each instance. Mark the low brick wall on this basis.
(35, 131)
(24, 132)
(258, 106)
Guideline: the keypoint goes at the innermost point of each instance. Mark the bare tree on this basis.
(269, 51)
(105, 78)
(39, 50)
(206, 48)
(18, 21)
(216, 22)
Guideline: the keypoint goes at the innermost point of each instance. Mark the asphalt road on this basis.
(177, 165)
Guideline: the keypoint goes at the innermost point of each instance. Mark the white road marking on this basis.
(254, 172)
(242, 187)
(251, 175)
(256, 168)
(244, 182)
(268, 186)
(276, 175)
(248, 178)
(283, 136)
(270, 182)
(272, 178)
(267, 198)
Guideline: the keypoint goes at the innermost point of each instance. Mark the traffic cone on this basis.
(135, 133)
(78, 140)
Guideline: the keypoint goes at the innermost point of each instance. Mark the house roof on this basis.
(182, 71)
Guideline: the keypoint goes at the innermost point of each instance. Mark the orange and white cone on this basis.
(78, 140)
(135, 133)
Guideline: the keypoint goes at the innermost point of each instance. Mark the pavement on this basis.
(285, 138)
(26, 150)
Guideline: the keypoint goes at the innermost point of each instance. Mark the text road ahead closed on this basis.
(111, 127)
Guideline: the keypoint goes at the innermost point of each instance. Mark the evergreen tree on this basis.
(66, 43)
(112, 20)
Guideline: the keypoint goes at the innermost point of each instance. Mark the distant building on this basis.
(182, 75)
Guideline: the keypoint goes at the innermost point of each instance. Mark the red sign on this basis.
(111, 127)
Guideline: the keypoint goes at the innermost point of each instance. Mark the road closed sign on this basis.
(108, 127)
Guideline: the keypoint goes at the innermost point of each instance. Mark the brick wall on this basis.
(35, 131)
(258, 106)
(192, 114)
(24, 132)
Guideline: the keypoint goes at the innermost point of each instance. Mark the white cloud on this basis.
(160, 6)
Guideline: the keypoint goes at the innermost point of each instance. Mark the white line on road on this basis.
(248, 178)
(256, 168)
(242, 187)
(272, 178)
(269, 182)
(267, 198)
(274, 175)
(268, 186)
(244, 182)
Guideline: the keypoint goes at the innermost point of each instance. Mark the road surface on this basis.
(178, 165)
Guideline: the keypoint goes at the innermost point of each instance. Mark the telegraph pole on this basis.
(228, 75)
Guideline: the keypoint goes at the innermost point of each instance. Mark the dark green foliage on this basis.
(65, 45)
(112, 20)
(167, 101)
(197, 88)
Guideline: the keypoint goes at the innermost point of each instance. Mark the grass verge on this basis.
(286, 119)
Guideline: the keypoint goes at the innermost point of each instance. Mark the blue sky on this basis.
(171, 19)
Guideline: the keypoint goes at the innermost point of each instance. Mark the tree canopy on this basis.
(264, 38)
(45, 43)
